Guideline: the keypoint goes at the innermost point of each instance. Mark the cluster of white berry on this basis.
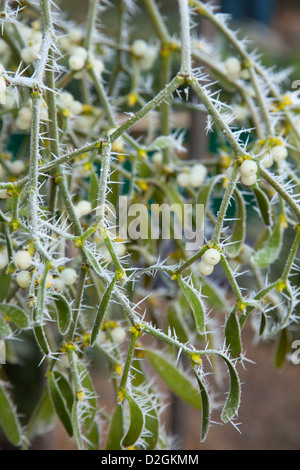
(208, 261)
(23, 120)
(33, 38)
(192, 177)
(234, 69)
(145, 54)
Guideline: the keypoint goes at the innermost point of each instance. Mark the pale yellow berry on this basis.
(23, 279)
(248, 168)
(211, 256)
(58, 284)
(22, 259)
(205, 269)
(68, 276)
(248, 180)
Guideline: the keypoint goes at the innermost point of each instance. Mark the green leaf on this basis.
(65, 389)
(100, 316)
(195, 303)
(232, 403)
(205, 407)
(59, 404)
(263, 205)
(93, 189)
(283, 347)
(233, 334)
(43, 418)
(40, 336)
(93, 438)
(213, 295)
(5, 330)
(205, 192)
(89, 411)
(176, 380)
(8, 418)
(115, 434)
(63, 312)
(136, 423)
(4, 283)
(16, 315)
(176, 323)
(152, 426)
(239, 231)
(271, 248)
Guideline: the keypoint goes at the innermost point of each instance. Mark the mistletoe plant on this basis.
(72, 97)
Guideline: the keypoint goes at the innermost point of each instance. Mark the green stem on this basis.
(278, 187)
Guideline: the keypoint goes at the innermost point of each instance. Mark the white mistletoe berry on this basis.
(197, 175)
(118, 334)
(233, 67)
(248, 180)
(78, 58)
(267, 160)
(211, 256)
(139, 47)
(83, 208)
(205, 269)
(279, 153)
(23, 279)
(3, 259)
(58, 284)
(4, 194)
(68, 276)
(248, 168)
(22, 259)
(29, 54)
(183, 179)
(17, 167)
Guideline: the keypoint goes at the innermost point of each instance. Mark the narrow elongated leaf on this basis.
(116, 432)
(263, 205)
(93, 438)
(4, 283)
(93, 189)
(152, 426)
(42, 340)
(16, 315)
(43, 418)
(271, 248)
(89, 407)
(213, 295)
(206, 191)
(136, 423)
(59, 404)
(63, 313)
(176, 380)
(100, 316)
(195, 303)
(8, 418)
(283, 347)
(232, 403)
(65, 389)
(176, 323)
(239, 230)
(205, 408)
(233, 334)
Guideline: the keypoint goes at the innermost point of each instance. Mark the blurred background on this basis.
(270, 397)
